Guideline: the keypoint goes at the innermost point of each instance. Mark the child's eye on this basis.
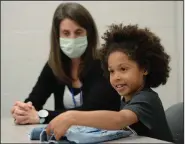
(111, 71)
(123, 69)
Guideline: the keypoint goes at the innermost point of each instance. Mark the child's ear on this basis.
(146, 68)
(145, 72)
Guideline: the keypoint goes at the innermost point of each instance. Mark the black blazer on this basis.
(97, 92)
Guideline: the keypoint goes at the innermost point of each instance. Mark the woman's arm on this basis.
(43, 88)
(40, 93)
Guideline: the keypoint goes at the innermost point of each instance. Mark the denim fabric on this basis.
(81, 134)
(34, 134)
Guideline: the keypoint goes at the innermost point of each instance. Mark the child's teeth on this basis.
(118, 86)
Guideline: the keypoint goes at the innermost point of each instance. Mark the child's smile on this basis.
(120, 87)
(125, 75)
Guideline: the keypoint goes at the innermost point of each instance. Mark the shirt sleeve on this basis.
(143, 105)
(43, 88)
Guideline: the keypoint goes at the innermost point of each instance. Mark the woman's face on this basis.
(70, 29)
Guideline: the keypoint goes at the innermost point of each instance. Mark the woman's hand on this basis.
(24, 113)
(60, 124)
(22, 105)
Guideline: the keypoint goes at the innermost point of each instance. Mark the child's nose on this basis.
(117, 76)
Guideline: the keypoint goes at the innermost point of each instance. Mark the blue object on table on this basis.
(80, 134)
(34, 134)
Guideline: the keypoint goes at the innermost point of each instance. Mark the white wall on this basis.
(25, 41)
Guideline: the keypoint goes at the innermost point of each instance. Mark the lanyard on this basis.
(73, 97)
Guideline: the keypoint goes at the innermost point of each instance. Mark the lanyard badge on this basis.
(73, 97)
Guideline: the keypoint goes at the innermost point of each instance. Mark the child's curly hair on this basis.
(140, 45)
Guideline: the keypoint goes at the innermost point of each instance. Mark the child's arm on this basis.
(109, 120)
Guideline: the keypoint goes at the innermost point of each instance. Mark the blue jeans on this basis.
(79, 134)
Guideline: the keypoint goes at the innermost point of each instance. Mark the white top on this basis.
(68, 99)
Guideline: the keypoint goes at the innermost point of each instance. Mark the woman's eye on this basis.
(78, 33)
(66, 34)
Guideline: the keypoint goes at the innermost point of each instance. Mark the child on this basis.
(134, 61)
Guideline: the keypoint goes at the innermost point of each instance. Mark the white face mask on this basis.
(73, 48)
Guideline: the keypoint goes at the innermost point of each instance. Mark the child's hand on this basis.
(60, 124)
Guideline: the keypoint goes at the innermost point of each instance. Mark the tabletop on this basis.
(12, 133)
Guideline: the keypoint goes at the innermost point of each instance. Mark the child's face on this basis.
(125, 75)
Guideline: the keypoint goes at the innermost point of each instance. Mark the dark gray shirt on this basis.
(148, 107)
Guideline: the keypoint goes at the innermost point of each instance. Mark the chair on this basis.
(175, 119)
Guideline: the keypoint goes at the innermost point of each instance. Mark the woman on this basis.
(73, 72)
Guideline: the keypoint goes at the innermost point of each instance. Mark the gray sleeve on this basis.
(142, 105)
